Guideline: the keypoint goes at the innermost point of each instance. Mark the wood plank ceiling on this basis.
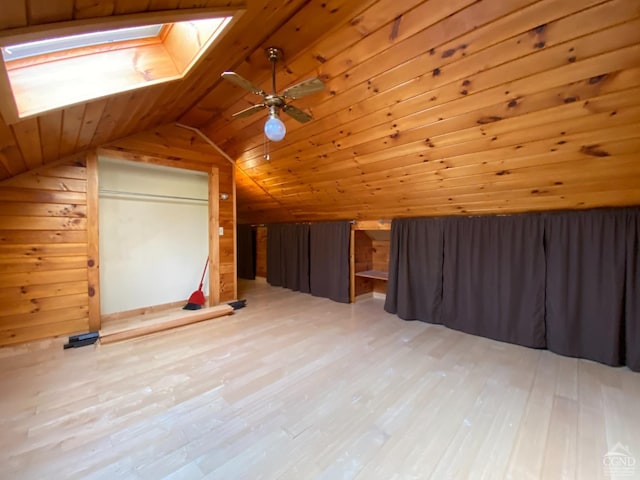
(432, 107)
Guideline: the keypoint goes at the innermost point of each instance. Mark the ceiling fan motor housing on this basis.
(274, 101)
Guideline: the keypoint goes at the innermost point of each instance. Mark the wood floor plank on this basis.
(297, 387)
(561, 449)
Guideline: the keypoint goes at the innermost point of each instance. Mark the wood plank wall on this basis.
(380, 261)
(380, 255)
(171, 145)
(44, 240)
(363, 257)
(43, 253)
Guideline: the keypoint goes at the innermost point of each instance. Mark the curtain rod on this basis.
(352, 222)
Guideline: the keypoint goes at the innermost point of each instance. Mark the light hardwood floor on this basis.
(298, 387)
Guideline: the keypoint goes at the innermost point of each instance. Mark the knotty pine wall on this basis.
(43, 253)
(46, 247)
(380, 261)
(363, 261)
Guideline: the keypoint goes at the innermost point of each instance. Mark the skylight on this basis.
(52, 45)
(47, 74)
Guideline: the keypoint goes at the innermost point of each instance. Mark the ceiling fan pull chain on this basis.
(265, 147)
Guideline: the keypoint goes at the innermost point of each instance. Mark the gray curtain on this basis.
(494, 278)
(274, 261)
(586, 280)
(246, 252)
(414, 288)
(288, 256)
(632, 291)
(329, 260)
(569, 281)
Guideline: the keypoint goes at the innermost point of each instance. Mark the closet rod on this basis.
(150, 195)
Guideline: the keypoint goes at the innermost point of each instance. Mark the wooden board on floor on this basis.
(171, 319)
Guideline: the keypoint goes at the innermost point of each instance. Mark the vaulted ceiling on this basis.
(432, 107)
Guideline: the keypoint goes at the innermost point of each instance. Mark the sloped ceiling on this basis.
(431, 108)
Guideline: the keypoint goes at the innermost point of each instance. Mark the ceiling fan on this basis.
(274, 128)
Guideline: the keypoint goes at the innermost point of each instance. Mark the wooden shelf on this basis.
(369, 258)
(377, 274)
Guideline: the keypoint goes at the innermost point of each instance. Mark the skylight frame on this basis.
(53, 45)
(11, 95)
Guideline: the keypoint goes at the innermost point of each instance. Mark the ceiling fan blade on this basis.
(301, 89)
(249, 111)
(296, 113)
(242, 82)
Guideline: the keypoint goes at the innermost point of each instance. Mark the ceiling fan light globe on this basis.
(274, 129)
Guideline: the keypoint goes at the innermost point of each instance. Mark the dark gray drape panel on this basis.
(414, 289)
(274, 261)
(493, 278)
(632, 294)
(296, 254)
(586, 256)
(329, 260)
(246, 252)
(288, 256)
